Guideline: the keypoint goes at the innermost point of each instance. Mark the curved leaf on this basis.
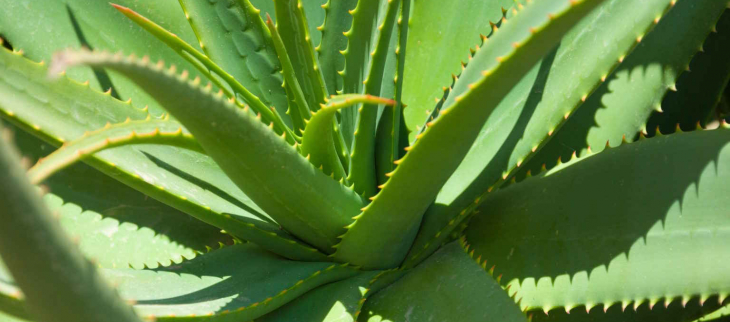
(138, 132)
(633, 224)
(317, 142)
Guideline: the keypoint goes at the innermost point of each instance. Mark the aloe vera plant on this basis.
(371, 160)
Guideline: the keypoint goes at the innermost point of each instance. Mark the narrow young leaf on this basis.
(133, 132)
(362, 161)
(389, 132)
(360, 42)
(292, 25)
(337, 20)
(318, 142)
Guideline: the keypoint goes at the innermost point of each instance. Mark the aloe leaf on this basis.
(360, 43)
(362, 163)
(448, 285)
(204, 65)
(337, 21)
(435, 53)
(139, 132)
(30, 238)
(43, 27)
(621, 106)
(636, 235)
(538, 105)
(699, 90)
(318, 143)
(299, 108)
(520, 43)
(235, 283)
(335, 302)
(389, 133)
(292, 24)
(234, 36)
(676, 311)
(63, 110)
(313, 9)
(300, 197)
(101, 212)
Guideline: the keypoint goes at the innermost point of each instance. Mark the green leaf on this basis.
(337, 20)
(334, 302)
(439, 40)
(674, 312)
(299, 109)
(312, 8)
(362, 163)
(101, 211)
(234, 283)
(447, 285)
(30, 238)
(205, 66)
(621, 106)
(535, 30)
(698, 91)
(44, 27)
(318, 144)
(300, 197)
(233, 35)
(535, 108)
(191, 182)
(633, 224)
(149, 131)
(390, 133)
(292, 25)
(360, 43)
